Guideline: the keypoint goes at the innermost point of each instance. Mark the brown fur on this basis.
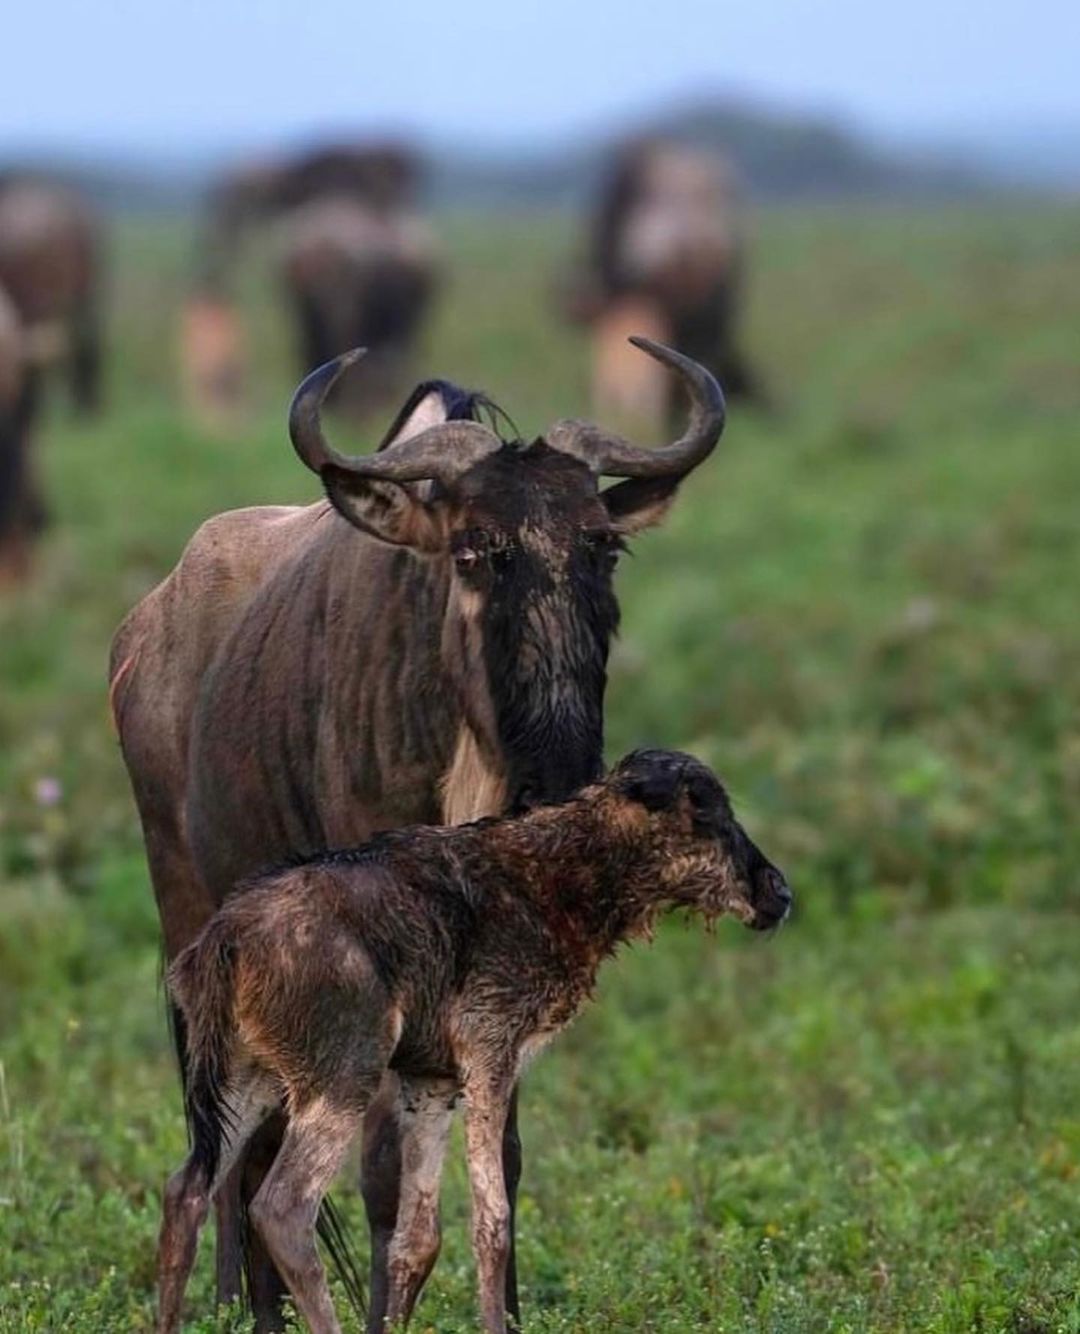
(450, 956)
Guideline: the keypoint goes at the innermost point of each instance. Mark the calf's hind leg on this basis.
(189, 1192)
(285, 1210)
(380, 1184)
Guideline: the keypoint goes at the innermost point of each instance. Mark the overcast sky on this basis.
(186, 76)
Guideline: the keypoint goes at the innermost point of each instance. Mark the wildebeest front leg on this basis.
(487, 1103)
(426, 1111)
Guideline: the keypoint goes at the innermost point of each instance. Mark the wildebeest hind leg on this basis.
(189, 1191)
(267, 1289)
(229, 1251)
(85, 366)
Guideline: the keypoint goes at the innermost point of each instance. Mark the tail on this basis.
(201, 981)
(341, 1250)
(340, 1247)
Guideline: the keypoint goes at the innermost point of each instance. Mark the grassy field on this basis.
(864, 613)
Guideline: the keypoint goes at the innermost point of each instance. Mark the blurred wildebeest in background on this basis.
(21, 511)
(665, 255)
(429, 646)
(356, 261)
(50, 267)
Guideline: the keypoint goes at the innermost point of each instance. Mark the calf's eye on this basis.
(466, 559)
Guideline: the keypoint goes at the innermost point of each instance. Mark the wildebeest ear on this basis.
(430, 404)
(424, 407)
(640, 503)
(392, 513)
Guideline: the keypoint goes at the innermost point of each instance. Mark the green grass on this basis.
(863, 613)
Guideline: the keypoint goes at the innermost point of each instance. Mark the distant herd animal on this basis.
(358, 264)
(50, 291)
(51, 270)
(424, 651)
(356, 261)
(20, 512)
(665, 255)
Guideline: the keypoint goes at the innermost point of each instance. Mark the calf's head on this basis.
(701, 857)
(528, 542)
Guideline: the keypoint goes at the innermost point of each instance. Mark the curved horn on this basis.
(609, 455)
(442, 452)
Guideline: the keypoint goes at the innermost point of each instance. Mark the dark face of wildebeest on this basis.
(528, 542)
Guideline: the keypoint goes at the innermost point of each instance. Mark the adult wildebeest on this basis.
(428, 645)
(21, 511)
(665, 254)
(50, 267)
(449, 956)
(356, 261)
(357, 276)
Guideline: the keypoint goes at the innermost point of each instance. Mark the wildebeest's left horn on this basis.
(609, 455)
(442, 452)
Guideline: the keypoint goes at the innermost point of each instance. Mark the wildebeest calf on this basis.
(448, 955)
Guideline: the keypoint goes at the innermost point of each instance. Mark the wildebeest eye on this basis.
(466, 559)
(604, 544)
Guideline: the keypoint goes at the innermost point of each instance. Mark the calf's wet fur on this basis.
(448, 955)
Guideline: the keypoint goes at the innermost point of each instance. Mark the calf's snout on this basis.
(772, 899)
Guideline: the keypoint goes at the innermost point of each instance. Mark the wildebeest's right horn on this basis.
(609, 455)
(442, 452)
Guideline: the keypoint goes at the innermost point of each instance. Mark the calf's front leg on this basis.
(487, 1102)
(426, 1109)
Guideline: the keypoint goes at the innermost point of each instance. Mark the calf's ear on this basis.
(388, 511)
(655, 787)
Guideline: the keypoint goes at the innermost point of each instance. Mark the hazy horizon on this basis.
(134, 80)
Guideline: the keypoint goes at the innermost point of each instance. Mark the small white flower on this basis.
(47, 791)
